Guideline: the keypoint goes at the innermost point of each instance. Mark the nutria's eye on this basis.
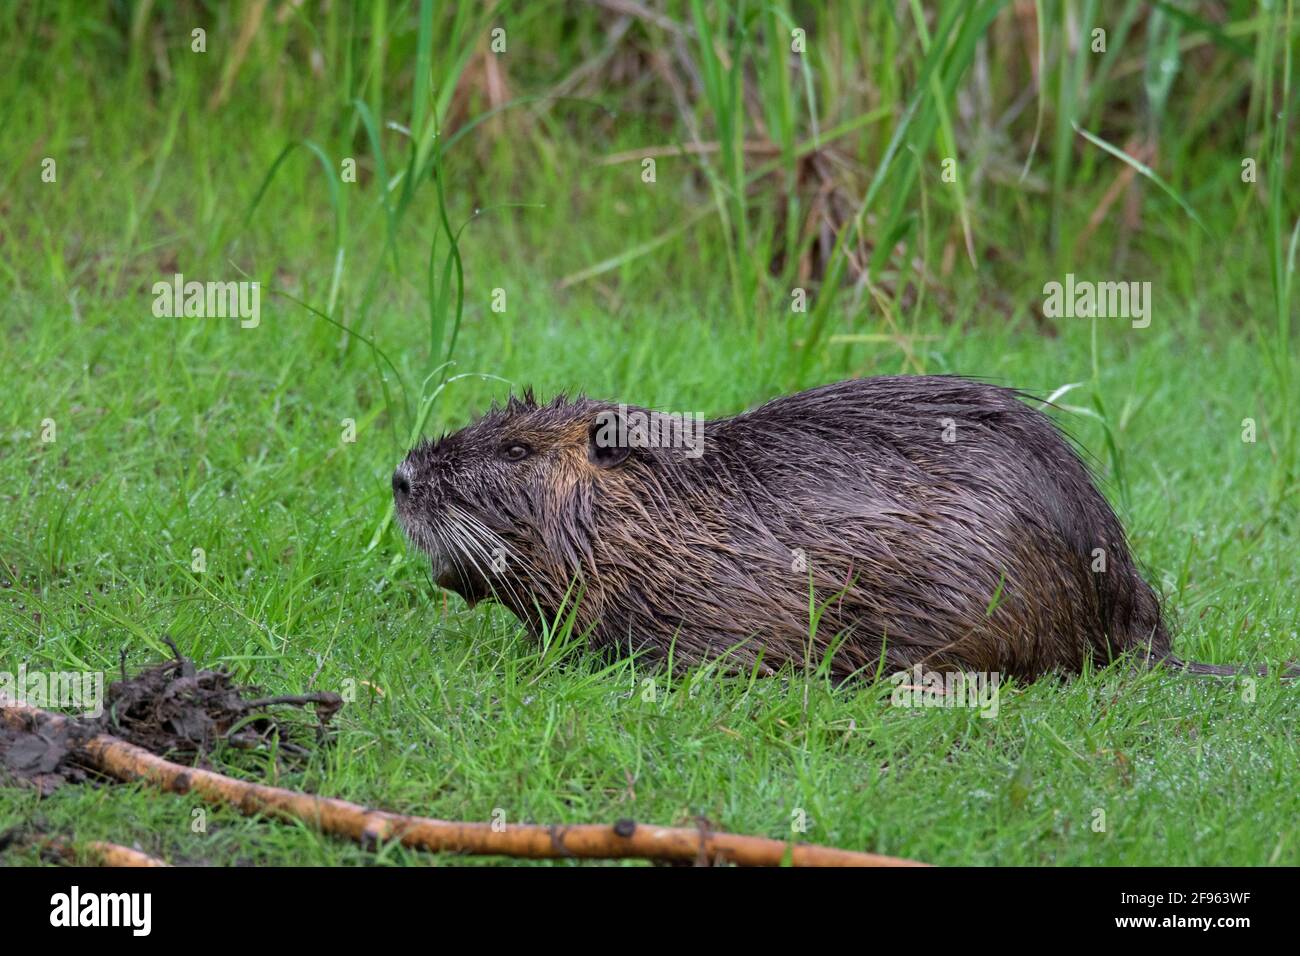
(515, 452)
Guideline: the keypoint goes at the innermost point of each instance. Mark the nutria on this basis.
(935, 521)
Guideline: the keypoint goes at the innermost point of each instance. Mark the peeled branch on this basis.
(624, 839)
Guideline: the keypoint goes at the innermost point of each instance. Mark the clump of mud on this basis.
(42, 756)
(172, 708)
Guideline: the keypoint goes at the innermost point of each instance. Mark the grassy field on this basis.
(517, 179)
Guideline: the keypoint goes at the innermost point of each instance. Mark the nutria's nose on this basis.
(401, 483)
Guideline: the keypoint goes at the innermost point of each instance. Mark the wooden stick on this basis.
(625, 839)
(101, 853)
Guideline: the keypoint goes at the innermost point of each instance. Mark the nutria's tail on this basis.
(1290, 672)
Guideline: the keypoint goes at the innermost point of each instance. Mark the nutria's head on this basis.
(504, 506)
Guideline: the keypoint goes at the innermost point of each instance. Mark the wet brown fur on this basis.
(973, 554)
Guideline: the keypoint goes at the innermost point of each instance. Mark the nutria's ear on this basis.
(607, 444)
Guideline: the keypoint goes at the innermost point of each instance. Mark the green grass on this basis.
(175, 434)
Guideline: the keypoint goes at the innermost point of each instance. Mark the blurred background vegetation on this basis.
(795, 144)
